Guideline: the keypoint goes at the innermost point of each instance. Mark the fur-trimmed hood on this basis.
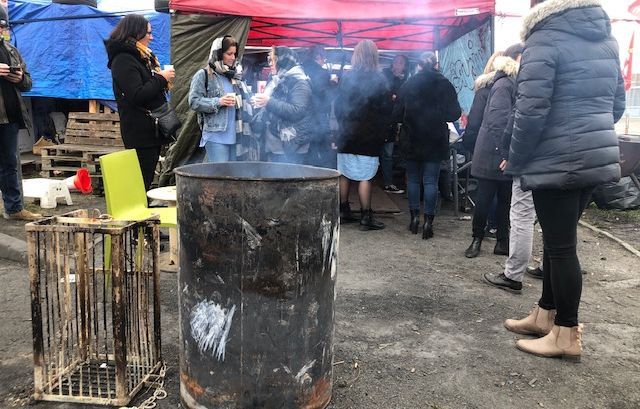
(584, 18)
(507, 65)
(484, 81)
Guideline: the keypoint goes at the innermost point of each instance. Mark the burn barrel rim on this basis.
(256, 171)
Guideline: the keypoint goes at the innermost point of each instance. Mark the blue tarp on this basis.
(63, 47)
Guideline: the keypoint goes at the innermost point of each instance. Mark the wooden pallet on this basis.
(97, 129)
(87, 137)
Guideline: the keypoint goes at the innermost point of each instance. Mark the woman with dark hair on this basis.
(214, 95)
(362, 108)
(426, 102)
(139, 86)
(287, 104)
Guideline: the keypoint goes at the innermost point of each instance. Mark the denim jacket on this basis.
(211, 116)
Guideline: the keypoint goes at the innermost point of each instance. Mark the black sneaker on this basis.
(503, 282)
(393, 189)
(501, 248)
(535, 272)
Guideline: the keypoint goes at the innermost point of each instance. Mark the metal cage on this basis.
(95, 307)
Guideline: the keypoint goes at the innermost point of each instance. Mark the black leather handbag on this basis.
(166, 121)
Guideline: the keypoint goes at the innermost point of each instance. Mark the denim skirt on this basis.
(357, 167)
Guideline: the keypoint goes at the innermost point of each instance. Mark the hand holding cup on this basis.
(228, 100)
(260, 100)
(169, 73)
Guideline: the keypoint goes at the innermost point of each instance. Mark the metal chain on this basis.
(157, 382)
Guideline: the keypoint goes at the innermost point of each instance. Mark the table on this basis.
(169, 195)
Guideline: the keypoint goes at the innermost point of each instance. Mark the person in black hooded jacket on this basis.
(488, 154)
(570, 92)
(426, 102)
(139, 86)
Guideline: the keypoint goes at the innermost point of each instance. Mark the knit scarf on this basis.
(148, 56)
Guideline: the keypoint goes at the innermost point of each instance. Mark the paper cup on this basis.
(168, 66)
(261, 86)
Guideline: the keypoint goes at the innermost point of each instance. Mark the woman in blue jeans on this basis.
(426, 102)
(213, 95)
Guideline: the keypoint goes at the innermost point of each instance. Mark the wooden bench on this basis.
(87, 137)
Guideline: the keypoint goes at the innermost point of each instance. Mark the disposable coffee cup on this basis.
(261, 86)
(168, 66)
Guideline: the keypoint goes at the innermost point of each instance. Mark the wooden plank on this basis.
(95, 141)
(83, 148)
(100, 126)
(90, 133)
(94, 116)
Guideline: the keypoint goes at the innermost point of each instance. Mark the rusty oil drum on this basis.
(258, 259)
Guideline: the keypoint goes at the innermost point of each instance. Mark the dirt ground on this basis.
(416, 327)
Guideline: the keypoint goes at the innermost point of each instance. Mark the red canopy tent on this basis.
(392, 24)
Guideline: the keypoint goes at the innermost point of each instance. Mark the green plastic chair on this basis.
(124, 190)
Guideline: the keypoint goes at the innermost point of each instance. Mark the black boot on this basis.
(367, 222)
(345, 213)
(501, 248)
(427, 229)
(474, 248)
(415, 221)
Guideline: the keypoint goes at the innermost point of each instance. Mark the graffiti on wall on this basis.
(464, 59)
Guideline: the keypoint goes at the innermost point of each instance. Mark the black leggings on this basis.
(558, 212)
(148, 158)
(487, 189)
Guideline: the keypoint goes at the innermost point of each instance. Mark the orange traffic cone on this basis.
(81, 181)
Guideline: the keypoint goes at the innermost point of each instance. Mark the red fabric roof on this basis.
(392, 24)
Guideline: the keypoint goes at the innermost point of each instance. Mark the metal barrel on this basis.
(258, 259)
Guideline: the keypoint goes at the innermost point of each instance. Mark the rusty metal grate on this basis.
(95, 307)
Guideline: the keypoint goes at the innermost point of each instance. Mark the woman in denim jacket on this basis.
(214, 95)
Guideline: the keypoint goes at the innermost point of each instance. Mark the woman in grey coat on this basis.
(570, 93)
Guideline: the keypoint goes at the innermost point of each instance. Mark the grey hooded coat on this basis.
(570, 92)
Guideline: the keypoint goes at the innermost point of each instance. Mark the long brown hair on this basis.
(489, 67)
(365, 56)
(131, 26)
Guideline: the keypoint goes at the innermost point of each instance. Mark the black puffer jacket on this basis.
(489, 150)
(362, 108)
(482, 87)
(570, 92)
(290, 113)
(428, 101)
(137, 90)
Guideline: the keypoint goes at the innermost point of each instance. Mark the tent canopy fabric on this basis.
(392, 24)
(63, 47)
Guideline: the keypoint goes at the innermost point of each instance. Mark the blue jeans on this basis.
(219, 152)
(386, 163)
(427, 174)
(9, 179)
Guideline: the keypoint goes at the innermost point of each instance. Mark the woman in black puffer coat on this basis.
(139, 86)
(489, 153)
(287, 103)
(426, 102)
(570, 93)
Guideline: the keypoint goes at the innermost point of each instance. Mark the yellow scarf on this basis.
(148, 56)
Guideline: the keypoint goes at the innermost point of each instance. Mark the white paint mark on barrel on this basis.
(210, 326)
(302, 375)
(254, 240)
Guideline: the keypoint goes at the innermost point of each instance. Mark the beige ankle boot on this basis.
(538, 322)
(560, 342)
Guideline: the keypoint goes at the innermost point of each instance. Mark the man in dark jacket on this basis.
(397, 74)
(320, 152)
(570, 92)
(426, 102)
(14, 79)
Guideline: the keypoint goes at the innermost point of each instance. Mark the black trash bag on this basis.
(622, 195)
